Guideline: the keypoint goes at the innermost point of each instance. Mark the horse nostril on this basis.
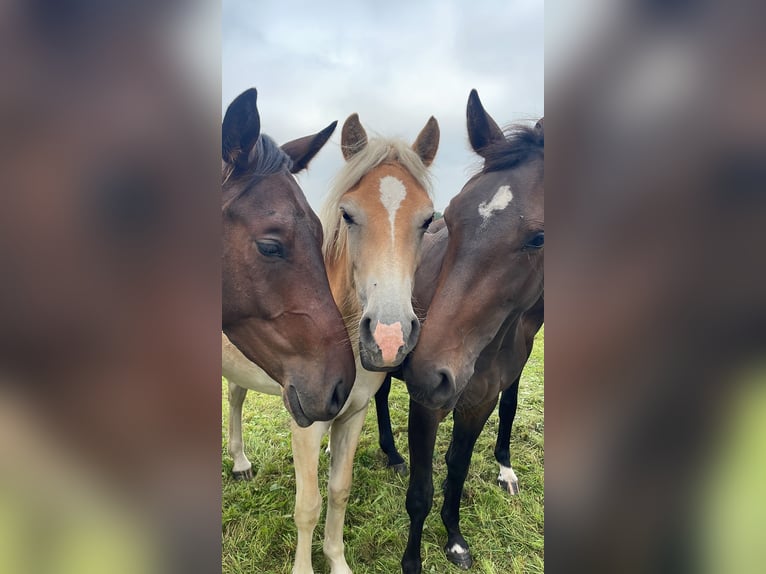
(445, 388)
(365, 329)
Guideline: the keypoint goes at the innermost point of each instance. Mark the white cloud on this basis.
(395, 63)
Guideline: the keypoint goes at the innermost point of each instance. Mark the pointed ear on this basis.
(539, 127)
(303, 150)
(428, 142)
(353, 138)
(241, 128)
(482, 129)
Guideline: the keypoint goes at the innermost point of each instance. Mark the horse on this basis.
(506, 478)
(277, 308)
(374, 218)
(481, 311)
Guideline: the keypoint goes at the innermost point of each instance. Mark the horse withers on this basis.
(475, 339)
(277, 308)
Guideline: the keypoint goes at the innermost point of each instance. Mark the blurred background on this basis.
(655, 411)
(109, 286)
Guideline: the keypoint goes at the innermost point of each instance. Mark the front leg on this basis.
(422, 426)
(467, 428)
(308, 501)
(345, 438)
(243, 468)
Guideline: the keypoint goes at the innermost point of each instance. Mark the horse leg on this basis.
(345, 435)
(308, 501)
(507, 478)
(422, 426)
(385, 432)
(242, 469)
(468, 426)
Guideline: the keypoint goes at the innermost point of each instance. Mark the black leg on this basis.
(507, 412)
(385, 433)
(423, 424)
(467, 428)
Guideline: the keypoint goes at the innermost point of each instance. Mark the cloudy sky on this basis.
(395, 63)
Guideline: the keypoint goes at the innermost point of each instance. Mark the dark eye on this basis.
(428, 222)
(536, 241)
(270, 248)
(347, 218)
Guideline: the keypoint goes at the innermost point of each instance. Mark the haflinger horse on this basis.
(374, 218)
(277, 308)
(482, 282)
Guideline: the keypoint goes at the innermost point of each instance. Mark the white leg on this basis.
(345, 438)
(308, 502)
(242, 467)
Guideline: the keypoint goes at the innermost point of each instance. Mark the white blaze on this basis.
(499, 202)
(392, 193)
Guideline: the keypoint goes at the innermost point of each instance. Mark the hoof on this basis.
(511, 487)
(462, 560)
(243, 474)
(400, 468)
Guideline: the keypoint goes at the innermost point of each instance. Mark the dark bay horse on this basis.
(482, 282)
(277, 308)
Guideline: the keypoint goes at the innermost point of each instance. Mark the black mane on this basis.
(267, 158)
(521, 143)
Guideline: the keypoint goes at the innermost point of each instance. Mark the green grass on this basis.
(505, 533)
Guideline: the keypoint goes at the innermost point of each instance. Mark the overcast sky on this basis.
(395, 63)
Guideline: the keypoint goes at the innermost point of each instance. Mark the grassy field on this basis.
(505, 533)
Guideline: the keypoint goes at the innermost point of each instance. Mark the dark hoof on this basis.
(462, 560)
(243, 474)
(400, 468)
(511, 488)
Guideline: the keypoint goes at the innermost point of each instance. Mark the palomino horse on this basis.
(475, 340)
(276, 304)
(374, 219)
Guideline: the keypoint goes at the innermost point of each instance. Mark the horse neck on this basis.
(344, 293)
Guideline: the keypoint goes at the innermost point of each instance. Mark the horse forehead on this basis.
(391, 188)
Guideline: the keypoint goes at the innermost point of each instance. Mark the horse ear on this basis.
(539, 127)
(428, 141)
(241, 128)
(353, 138)
(303, 150)
(482, 129)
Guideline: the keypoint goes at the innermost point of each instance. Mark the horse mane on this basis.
(266, 158)
(377, 151)
(521, 143)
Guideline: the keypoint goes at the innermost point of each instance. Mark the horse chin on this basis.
(293, 404)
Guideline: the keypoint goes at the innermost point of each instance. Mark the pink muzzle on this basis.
(389, 339)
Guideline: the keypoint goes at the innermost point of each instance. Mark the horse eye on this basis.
(270, 248)
(347, 218)
(536, 242)
(428, 222)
